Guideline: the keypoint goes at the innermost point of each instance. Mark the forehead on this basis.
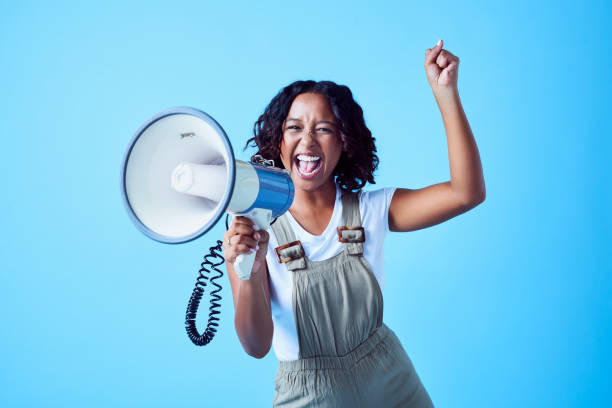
(311, 106)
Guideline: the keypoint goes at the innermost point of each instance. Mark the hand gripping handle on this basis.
(244, 262)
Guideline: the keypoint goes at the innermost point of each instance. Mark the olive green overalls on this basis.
(348, 357)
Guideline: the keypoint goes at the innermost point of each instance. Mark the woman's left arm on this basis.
(416, 209)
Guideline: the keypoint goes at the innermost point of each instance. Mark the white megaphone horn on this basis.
(179, 176)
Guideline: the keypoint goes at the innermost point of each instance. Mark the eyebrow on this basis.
(321, 121)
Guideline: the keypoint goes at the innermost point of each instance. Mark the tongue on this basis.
(307, 166)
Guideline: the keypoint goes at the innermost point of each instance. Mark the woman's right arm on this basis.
(253, 316)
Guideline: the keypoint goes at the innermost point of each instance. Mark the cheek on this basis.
(285, 154)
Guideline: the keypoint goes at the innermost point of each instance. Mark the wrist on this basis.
(447, 98)
(444, 93)
(254, 280)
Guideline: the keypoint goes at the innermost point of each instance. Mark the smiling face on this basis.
(311, 145)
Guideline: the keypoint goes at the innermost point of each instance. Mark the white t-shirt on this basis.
(374, 209)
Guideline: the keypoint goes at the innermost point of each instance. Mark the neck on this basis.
(323, 197)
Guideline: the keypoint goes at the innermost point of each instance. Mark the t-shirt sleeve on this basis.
(376, 204)
(389, 191)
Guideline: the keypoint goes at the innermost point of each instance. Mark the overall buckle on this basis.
(353, 237)
(290, 255)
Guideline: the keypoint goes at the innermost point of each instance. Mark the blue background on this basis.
(508, 305)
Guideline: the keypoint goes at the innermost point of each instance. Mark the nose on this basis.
(308, 137)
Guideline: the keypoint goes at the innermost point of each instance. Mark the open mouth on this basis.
(308, 165)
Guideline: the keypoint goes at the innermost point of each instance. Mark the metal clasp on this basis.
(360, 239)
(258, 159)
(284, 259)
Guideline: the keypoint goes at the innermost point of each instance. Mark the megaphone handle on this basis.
(244, 262)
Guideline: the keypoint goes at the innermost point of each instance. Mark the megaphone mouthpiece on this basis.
(202, 180)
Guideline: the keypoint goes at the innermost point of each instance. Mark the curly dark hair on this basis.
(358, 159)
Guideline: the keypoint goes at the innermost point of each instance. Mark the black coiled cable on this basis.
(194, 302)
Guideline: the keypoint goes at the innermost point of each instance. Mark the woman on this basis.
(315, 289)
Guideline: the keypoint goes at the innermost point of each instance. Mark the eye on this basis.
(293, 127)
(324, 129)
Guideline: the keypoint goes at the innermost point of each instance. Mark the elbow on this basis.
(256, 344)
(480, 198)
(258, 356)
(257, 353)
(480, 195)
(474, 199)
(483, 194)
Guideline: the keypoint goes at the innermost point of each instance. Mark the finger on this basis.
(443, 60)
(446, 58)
(450, 55)
(243, 240)
(432, 53)
(242, 220)
(452, 66)
(243, 249)
(231, 256)
(264, 237)
(226, 239)
(449, 74)
(241, 229)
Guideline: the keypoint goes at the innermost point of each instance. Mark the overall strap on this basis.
(289, 250)
(351, 234)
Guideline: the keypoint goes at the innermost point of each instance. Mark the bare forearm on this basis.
(465, 166)
(253, 318)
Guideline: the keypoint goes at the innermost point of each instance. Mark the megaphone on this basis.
(179, 176)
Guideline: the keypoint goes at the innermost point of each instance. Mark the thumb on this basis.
(432, 53)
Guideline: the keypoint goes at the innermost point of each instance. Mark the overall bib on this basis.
(347, 356)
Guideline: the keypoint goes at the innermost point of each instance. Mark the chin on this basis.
(309, 185)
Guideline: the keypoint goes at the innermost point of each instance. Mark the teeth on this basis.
(304, 157)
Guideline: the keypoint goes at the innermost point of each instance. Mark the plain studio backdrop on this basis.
(508, 305)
